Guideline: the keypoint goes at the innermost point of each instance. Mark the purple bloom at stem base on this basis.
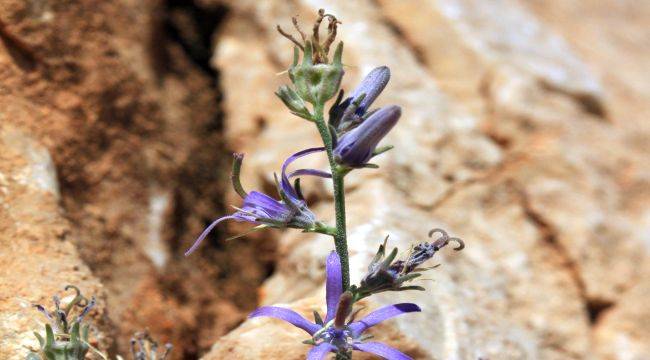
(327, 335)
(357, 147)
(265, 211)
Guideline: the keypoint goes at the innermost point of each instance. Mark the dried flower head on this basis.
(316, 80)
(387, 274)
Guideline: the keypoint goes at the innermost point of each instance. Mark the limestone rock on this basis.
(507, 140)
(38, 257)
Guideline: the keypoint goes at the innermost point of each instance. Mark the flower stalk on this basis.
(351, 137)
(338, 174)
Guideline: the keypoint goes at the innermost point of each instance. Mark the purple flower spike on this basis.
(351, 112)
(265, 211)
(326, 336)
(355, 148)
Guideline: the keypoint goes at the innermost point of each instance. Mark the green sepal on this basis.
(40, 339)
(389, 259)
(370, 166)
(248, 232)
(407, 277)
(49, 336)
(317, 319)
(381, 150)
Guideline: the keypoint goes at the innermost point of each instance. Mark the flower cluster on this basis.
(65, 335)
(360, 130)
(351, 137)
(144, 347)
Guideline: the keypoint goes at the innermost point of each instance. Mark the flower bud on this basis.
(351, 112)
(316, 83)
(356, 147)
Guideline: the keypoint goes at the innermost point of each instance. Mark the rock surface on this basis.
(508, 139)
(38, 256)
(524, 131)
(130, 119)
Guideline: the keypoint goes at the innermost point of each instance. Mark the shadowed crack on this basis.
(22, 54)
(589, 103)
(593, 307)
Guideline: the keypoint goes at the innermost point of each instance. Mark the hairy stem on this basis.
(340, 238)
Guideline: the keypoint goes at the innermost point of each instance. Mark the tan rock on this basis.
(623, 331)
(506, 140)
(38, 257)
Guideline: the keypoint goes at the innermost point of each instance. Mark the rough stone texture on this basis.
(132, 126)
(524, 132)
(508, 139)
(38, 256)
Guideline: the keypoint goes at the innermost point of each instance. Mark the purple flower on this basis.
(351, 112)
(330, 336)
(265, 211)
(356, 147)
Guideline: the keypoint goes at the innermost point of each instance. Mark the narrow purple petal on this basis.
(334, 284)
(287, 315)
(311, 172)
(355, 148)
(207, 230)
(380, 315)
(318, 352)
(265, 206)
(382, 350)
(286, 185)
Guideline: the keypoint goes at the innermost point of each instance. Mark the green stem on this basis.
(340, 238)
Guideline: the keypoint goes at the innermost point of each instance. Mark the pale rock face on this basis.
(506, 141)
(38, 258)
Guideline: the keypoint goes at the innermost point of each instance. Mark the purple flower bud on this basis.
(355, 148)
(370, 88)
(350, 113)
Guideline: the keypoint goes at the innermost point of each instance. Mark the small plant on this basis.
(66, 337)
(350, 138)
(144, 347)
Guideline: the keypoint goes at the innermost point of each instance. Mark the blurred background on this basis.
(524, 131)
